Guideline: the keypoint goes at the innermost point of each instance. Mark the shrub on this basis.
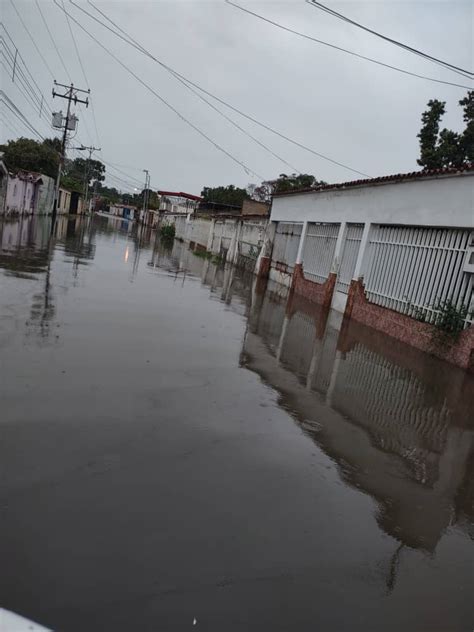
(168, 231)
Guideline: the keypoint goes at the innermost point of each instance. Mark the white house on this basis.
(381, 248)
(178, 202)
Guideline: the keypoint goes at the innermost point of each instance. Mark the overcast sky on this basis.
(355, 112)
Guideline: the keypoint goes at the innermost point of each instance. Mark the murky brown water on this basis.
(178, 445)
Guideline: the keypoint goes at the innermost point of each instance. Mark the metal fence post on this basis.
(359, 266)
(299, 255)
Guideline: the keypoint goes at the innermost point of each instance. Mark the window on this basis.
(14, 191)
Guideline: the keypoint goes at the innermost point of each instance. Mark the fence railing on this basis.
(285, 245)
(318, 250)
(415, 269)
(350, 252)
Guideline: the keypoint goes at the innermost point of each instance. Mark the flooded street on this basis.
(181, 449)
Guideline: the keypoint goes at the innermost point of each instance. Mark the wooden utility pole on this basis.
(69, 123)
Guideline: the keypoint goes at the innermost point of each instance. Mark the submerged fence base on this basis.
(420, 335)
(320, 293)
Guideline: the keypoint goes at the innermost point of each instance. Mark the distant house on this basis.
(29, 193)
(178, 202)
(252, 207)
(126, 211)
(217, 208)
(64, 201)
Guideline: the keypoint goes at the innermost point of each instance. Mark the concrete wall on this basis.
(238, 240)
(443, 201)
(45, 196)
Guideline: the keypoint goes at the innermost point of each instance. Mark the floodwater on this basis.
(181, 449)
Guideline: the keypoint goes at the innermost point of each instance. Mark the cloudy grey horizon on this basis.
(353, 111)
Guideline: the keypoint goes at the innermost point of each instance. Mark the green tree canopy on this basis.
(230, 194)
(31, 155)
(283, 183)
(77, 171)
(446, 148)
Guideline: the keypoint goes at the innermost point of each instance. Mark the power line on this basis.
(23, 85)
(121, 181)
(16, 131)
(8, 66)
(18, 113)
(14, 65)
(83, 73)
(163, 100)
(120, 171)
(75, 45)
(222, 101)
(464, 73)
(32, 39)
(53, 41)
(344, 50)
(190, 88)
(19, 56)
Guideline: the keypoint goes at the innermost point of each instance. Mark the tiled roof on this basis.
(399, 177)
(187, 196)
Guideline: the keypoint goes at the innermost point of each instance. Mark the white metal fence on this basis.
(318, 250)
(285, 245)
(414, 269)
(350, 251)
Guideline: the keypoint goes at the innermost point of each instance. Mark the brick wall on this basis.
(320, 293)
(252, 207)
(406, 329)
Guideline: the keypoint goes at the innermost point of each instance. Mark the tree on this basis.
(153, 199)
(225, 195)
(76, 172)
(467, 139)
(31, 155)
(283, 183)
(446, 148)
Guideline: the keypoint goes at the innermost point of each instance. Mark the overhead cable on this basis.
(33, 40)
(135, 44)
(344, 50)
(162, 99)
(140, 48)
(464, 73)
(18, 113)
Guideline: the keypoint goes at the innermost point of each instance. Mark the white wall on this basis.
(442, 201)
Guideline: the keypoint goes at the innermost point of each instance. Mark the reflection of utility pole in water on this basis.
(393, 570)
(69, 122)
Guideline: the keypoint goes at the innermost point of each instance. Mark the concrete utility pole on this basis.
(86, 171)
(146, 193)
(69, 124)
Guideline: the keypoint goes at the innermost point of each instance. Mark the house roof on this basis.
(399, 177)
(31, 176)
(188, 196)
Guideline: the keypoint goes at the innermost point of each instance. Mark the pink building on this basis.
(29, 193)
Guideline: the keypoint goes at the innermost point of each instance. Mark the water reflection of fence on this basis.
(390, 403)
(394, 420)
